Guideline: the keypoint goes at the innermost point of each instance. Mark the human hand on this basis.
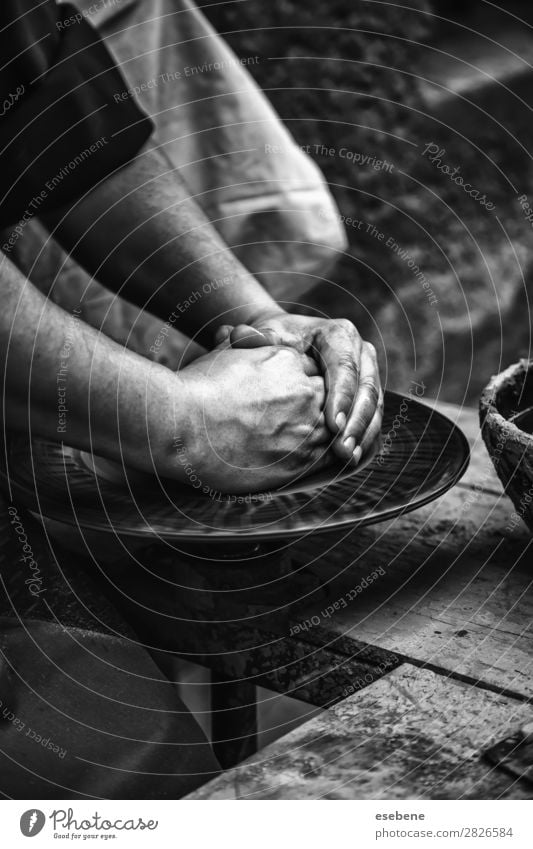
(255, 419)
(354, 397)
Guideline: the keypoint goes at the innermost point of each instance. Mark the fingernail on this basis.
(357, 454)
(340, 420)
(349, 444)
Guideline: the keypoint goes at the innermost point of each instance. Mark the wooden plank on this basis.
(453, 589)
(412, 735)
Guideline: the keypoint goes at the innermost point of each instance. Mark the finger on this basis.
(339, 348)
(372, 437)
(222, 346)
(245, 336)
(369, 398)
(223, 333)
(311, 367)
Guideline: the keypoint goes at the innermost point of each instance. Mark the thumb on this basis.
(245, 336)
(223, 333)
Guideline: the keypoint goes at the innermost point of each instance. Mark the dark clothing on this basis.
(62, 129)
(85, 712)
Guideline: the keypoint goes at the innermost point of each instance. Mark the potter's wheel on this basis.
(425, 455)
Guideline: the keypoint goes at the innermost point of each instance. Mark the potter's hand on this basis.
(257, 418)
(354, 400)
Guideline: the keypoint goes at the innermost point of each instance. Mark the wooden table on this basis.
(419, 671)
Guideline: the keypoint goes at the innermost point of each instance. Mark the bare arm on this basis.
(141, 234)
(65, 381)
(242, 420)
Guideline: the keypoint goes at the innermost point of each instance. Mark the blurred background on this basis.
(389, 81)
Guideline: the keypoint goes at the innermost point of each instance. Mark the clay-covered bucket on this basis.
(506, 417)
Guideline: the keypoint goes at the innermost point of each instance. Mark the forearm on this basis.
(64, 381)
(141, 234)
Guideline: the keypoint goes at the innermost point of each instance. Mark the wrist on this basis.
(179, 431)
(160, 424)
